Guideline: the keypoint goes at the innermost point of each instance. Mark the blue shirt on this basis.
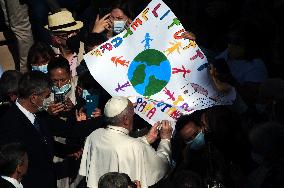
(245, 70)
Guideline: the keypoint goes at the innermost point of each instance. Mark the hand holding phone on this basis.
(59, 98)
(68, 104)
(91, 104)
(55, 108)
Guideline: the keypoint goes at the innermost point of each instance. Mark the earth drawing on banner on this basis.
(149, 72)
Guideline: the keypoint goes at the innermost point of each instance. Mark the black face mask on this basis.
(73, 43)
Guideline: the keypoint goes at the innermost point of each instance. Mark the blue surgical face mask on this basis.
(85, 94)
(63, 90)
(118, 26)
(198, 142)
(42, 68)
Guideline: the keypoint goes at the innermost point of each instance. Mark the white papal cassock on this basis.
(111, 149)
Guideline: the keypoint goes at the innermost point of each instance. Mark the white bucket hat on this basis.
(63, 21)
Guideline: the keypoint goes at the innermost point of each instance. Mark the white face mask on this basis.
(46, 103)
(44, 106)
(118, 26)
(40, 108)
(64, 89)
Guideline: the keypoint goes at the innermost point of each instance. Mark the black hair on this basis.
(267, 140)
(113, 180)
(247, 33)
(33, 82)
(9, 82)
(125, 5)
(87, 81)
(223, 71)
(129, 7)
(11, 155)
(187, 179)
(184, 119)
(59, 62)
(222, 123)
(94, 39)
(130, 183)
(39, 50)
(225, 132)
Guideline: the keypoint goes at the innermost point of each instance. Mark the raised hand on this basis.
(166, 130)
(102, 24)
(80, 115)
(97, 113)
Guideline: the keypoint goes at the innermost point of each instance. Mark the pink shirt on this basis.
(73, 60)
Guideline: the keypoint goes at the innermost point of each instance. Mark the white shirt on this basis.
(112, 150)
(13, 181)
(28, 114)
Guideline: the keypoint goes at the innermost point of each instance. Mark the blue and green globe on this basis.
(149, 72)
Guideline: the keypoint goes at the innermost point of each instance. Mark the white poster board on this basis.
(151, 62)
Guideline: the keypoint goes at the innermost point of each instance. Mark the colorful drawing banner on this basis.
(150, 61)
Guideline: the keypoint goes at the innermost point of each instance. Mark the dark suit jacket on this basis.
(15, 127)
(42, 172)
(5, 184)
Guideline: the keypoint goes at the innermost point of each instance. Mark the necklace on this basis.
(117, 130)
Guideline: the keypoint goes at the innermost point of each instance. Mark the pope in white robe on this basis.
(111, 149)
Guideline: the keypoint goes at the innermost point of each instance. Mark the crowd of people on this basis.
(60, 128)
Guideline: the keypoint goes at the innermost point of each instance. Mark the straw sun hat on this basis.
(63, 21)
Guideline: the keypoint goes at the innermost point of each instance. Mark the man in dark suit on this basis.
(20, 124)
(13, 165)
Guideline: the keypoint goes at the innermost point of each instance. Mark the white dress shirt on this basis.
(13, 181)
(28, 114)
(111, 149)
